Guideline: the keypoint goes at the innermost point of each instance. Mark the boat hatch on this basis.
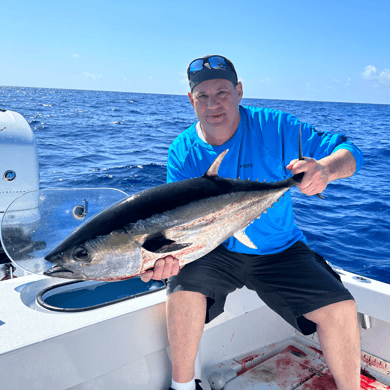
(78, 296)
(290, 365)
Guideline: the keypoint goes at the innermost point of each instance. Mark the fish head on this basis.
(115, 256)
(73, 263)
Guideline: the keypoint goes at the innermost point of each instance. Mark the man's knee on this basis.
(186, 296)
(339, 312)
(187, 304)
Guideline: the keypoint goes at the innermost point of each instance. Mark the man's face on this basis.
(216, 104)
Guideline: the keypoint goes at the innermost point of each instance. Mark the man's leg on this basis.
(339, 335)
(186, 314)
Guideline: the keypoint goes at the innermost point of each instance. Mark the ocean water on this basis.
(89, 139)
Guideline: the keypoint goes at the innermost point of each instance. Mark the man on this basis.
(299, 285)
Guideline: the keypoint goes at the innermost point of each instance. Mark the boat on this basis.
(79, 335)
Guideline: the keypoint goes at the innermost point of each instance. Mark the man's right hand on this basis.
(163, 269)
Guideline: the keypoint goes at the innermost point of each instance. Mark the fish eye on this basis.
(80, 254)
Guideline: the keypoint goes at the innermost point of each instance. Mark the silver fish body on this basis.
(185, 219)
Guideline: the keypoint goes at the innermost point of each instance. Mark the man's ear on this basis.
(191, 99)
(240, 90)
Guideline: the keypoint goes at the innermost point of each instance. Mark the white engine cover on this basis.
(19, 170)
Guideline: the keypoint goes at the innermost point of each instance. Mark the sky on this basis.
(316, 50)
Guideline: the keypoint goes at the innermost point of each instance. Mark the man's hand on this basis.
(163, 269)
(318, 174)
(315, 178)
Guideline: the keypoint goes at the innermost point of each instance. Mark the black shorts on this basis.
(292, 283)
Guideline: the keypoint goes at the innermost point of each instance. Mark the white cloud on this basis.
(75, 55)
(372, 73)
(369, 72)
(384, 77)
(94, 76)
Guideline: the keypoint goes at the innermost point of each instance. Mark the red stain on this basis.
(291, 348)
(304, 364)
(290, 370)
(326, 381)
(316, 350)
(248, 362)
(247, 359)
(365, 383)
(367, 374)
(369, 383)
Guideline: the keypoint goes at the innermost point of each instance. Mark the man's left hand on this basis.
(315, 178)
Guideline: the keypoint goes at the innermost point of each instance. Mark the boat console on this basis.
(19, 172)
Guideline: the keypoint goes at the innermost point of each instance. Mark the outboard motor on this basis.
(19, 173)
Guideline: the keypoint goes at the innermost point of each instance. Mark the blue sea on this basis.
(89, 139)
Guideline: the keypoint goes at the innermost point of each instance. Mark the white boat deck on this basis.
(125, 345)
(24, 323)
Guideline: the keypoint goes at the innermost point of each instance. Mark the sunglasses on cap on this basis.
(215, 62)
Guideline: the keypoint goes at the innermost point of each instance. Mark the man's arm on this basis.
(318, 174)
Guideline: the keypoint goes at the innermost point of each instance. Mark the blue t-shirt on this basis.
(265, 142)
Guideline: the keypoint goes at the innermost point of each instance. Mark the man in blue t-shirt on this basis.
(299, 285)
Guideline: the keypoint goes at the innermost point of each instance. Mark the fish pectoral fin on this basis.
(161, 244)
(155, 242)
(172, 248)
(168, 248)
(244, 239)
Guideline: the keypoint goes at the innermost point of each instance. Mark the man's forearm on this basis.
(339, 164)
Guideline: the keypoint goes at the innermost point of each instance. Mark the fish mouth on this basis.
(58, 269)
